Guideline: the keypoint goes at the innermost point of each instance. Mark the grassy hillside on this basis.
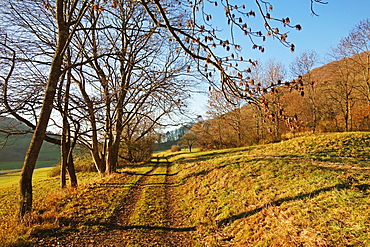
(309, 191)
(12, 154)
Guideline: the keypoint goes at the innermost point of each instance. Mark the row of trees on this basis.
(106, 71)
(113, 76)
(334, 97)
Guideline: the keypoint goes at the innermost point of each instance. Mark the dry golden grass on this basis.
(280, 195)
(58, 211)
(47, 197)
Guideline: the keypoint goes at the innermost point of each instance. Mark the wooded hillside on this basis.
(331, 98)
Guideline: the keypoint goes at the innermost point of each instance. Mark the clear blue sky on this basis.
(319, 33)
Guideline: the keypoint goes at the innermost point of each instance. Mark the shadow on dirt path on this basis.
(147, 216)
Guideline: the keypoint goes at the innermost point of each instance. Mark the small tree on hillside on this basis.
(189, 139)
(356, 46)
(225, 110)
(275, 74)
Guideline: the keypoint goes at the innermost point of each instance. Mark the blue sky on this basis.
(319, 33)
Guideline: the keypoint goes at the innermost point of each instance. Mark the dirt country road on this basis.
(148, 216)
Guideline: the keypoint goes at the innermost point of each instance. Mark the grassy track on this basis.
(149, 217)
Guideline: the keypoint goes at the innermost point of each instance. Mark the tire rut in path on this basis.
(120, 233)
(156, 222)
(180, 235)
(124, 231)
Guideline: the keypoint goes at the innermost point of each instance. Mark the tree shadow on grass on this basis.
(221, 223)
(112, 225)
(155, 228)
(210, 169)
(210, 155)
(203, 172)
(149, 164)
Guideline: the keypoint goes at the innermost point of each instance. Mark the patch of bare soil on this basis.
(122, 232)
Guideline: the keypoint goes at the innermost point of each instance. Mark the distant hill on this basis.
(13, 149)
(159, 147)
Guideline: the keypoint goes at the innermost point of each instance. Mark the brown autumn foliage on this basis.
(339, 99)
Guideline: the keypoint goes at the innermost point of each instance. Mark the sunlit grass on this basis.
(308, 191)
(278, 195)
(353, 147)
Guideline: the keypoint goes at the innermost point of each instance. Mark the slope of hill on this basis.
(308, 191)
(14, 148)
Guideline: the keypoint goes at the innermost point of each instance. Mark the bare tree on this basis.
(356, 46)
(136, 74)
(200, 39)
(67, 16)
(226, 113)
(302, 66)
(343, 90)
(274, 110)
(189, 139)
(195, 37)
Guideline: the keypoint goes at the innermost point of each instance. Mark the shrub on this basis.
(55, 171)
(83, 163)
(175, 148)
(137, 151)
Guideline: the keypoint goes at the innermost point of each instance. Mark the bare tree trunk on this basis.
(99, 161)
(64, 145)
(67, 144)
(71, 170)
(63, 166)
(47, 106)
(112, 158)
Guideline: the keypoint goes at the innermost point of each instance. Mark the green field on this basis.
(10, 180)
(13, 148)
(12, 165)
(12, 156)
